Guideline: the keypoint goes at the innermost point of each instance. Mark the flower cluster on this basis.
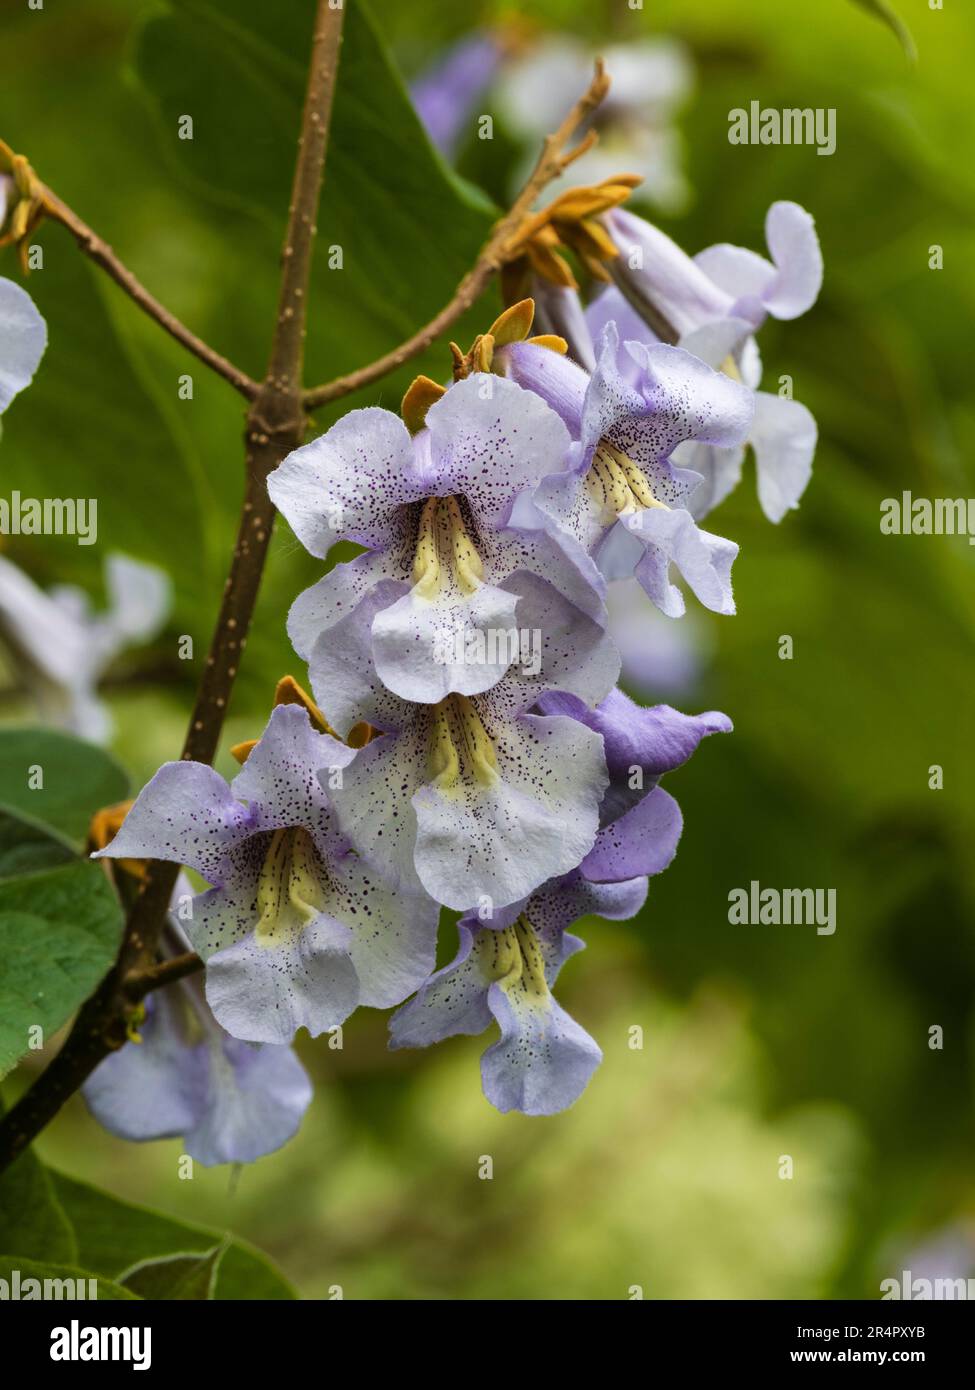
(467, 746)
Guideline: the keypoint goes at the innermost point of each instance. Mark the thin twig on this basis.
(275, 425)
(102, 254)
(552, 160)
(164, 972)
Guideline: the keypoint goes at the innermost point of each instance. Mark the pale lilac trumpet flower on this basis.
(508, 960)
(295, 930)
(712, 305)
(475, 797)
(503, 972)
(622, 500)
(434, 513)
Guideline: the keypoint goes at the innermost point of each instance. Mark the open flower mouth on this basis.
(445, 553)
(291, 887)
(618, 486)
(512, 957)
(460, 751)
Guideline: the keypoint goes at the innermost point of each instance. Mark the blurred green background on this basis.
(759, 1041)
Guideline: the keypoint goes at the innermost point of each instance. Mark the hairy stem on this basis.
(275, 425)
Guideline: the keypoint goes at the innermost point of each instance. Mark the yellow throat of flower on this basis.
(291, 888)
(445, 551)
(513, 957)
(617, 485)
(460, 748)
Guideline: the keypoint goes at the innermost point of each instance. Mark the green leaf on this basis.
(180, 1276)
(114, 1235)
(59, 932)
(78, 778)
(15, 1271)
(407, 226)
(26, 845)
(33, 1222)
(885, 12)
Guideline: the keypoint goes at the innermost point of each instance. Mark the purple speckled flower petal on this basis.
(348, 483)
(642, 841)
(187, 814)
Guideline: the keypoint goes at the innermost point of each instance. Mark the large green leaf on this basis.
(26, 846)
(76, 778)
(407, 226)
(114, 1235)
(33, 1223)
(16, 1271)
(59, 932)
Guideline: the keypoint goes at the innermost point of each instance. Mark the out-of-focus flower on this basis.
(23, 336)
(295, 931)
(659, 658)
(651, 79)
(712, 305)
(184, 1076)
(446, 93)
(60, 649)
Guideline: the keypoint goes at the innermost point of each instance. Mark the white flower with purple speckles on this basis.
(622, 500)
(715, 302)
(295, 931)
(474, 797)
(507, 964)
(434, 513)
(504, 971)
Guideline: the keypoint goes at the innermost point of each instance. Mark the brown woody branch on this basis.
(275, 425)
(551, 162)
(102, 254)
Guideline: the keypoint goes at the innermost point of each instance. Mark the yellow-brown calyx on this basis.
(421, 394)
(617, 485)
(513, 957)
(460, 748)
(28, 203)
(289, 692)
(291, 887)
(102, 829)
(513, 326)
(571, 221)
(445, 552)
(134, 1021)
